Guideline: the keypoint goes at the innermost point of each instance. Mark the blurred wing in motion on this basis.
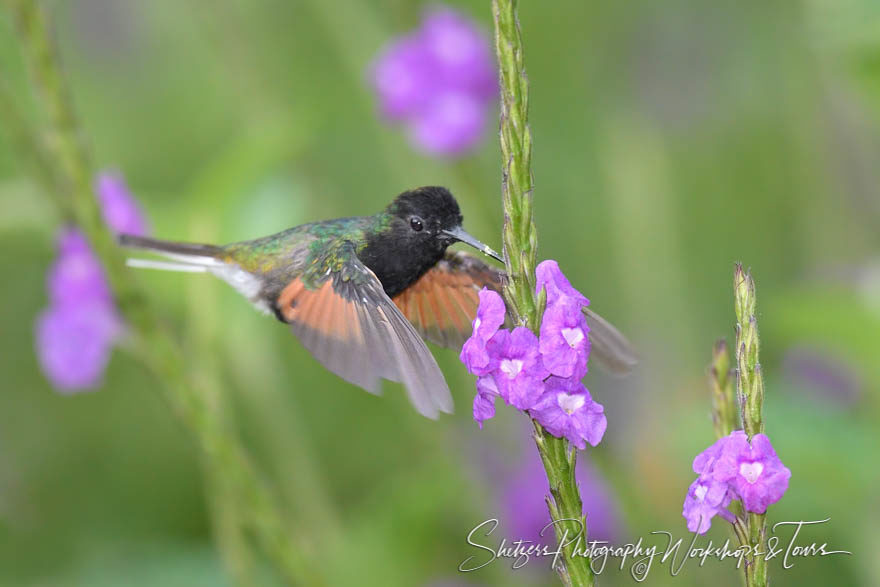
(443, 303)
(345, 319)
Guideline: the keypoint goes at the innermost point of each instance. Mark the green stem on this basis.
(151, 342)
(520, 253)
(750, 393)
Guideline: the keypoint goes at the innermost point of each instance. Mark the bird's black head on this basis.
(415, 231)
(421, 216)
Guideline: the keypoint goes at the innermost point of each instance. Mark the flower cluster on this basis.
(539, 375)
(75, 334)
(440, 81)
(732, 468)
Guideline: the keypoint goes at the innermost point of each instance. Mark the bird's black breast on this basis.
(396, 266)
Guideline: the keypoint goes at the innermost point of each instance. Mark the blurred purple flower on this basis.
(564, 343)
(816, 371)
(753, 470)
(526, 512)
(490, 317)
(440, 81)
(567, 410)
(121, 211)
(76, 273)
(74, 343)
(75, 334)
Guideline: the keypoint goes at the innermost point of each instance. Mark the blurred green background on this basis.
(671, 140)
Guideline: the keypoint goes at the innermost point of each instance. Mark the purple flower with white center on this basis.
(567, 410)
(520, 373)
(440, 81)
(121, 211)
(490, 317)
(559, 289)
(705, 498)
(564, 342)
(753, 470)
(74, 343)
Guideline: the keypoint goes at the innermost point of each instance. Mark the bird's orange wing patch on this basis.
(322, 311)
(443, 303)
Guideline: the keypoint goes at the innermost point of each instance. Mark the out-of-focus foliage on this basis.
(671, 139)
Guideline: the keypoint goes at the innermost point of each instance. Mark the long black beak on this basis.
(459, 234)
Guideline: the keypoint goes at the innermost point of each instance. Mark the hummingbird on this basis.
(361, 293)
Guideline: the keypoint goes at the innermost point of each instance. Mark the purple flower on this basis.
(74, 343)
(567, 410)
(706, 498)
(753, 471)
(564, 343)
(525, 511)
(402, 77)
(559, 290)
(461, 53)
(733, 469)
(75, 335)
(450, 123)
(76, 273)
(484, 402)
(520, 373)
(121, 212)
(440, 81)
(490, 317)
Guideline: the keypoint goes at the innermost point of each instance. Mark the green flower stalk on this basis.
(750, 394)
(741, 467)
(72, 172)
(520, 253)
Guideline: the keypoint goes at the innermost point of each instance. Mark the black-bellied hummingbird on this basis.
(360, 293)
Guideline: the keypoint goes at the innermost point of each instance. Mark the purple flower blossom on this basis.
(564, 343)
(733, 469)
(74, 343)
(484, 401)
(75, 335)
(559, 289)
(490, 317)
(754, 471)
(440, 81)
(461, 53)
(520, 373)
(567, 410)
(706, 498)
(121, 211)
(76, 273)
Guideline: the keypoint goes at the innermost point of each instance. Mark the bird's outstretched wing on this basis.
(339, 311)
(443, 303)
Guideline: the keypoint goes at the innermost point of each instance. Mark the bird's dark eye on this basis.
(416, 223)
